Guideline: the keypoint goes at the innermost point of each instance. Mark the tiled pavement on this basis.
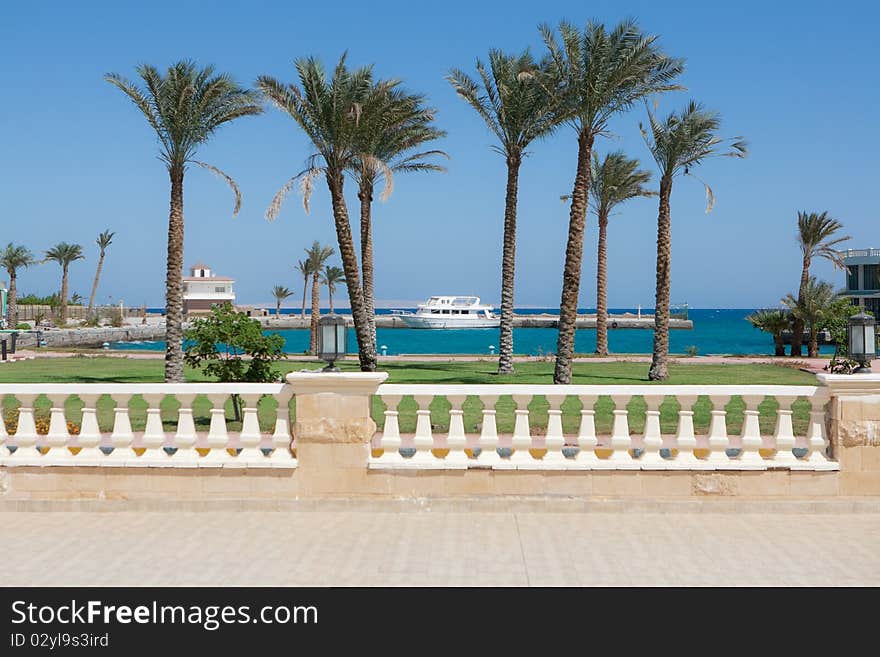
(438, 548)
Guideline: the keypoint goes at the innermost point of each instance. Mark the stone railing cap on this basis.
(342, 382)
(866, 383)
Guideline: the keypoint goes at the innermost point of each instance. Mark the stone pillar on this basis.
(854, 433)
(332, 432)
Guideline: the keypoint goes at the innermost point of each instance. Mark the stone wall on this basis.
(90, 337)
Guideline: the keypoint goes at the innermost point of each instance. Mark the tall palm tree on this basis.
(316, 256)
(518, 109)
(303, 268)
(64, 254)
(331, 277)
(615, 179)
(13, 258)
(104, 240)
(280, 293)
(774, 321)
(600, 74)
(389, 139)
(811, 309)
(815, 233)
(679, 143)
(329, 110)
(185, 107)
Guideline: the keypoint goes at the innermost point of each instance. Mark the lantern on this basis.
(860, 340)
(331, 340)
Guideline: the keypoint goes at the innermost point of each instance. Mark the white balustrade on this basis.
(533, 448)
(153, 446)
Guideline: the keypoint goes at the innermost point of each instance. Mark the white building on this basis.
(203, 289)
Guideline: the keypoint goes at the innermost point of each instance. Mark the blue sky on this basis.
(797, 79)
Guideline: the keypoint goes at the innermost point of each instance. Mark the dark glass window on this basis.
(852, 277)
(869, 278)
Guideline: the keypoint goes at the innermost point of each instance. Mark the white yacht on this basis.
(451, 313)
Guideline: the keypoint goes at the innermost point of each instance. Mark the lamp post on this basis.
(861, 341)
(332, 344)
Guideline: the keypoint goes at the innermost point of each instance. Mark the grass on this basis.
(103, 369)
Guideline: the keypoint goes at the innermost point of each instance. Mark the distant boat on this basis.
(450, 313)
(822, 337)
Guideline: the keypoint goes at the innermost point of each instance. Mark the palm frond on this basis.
(229, 181)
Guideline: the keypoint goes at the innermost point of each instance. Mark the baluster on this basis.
(488, 440)
(685, 441)
(423, 441)
(719, 441)
(817, 439)
(390, 441)
(122, 437)
(58, 435)
(555, 439)
(282, 440)
(456, 439)
(26, 434)
(750, 458)
(250, 436)
(218, 435)
(89, 434)
(653, 438)
(783, 436)
(185, 438)
(620, 438)
(4, 435)
(153, 439)
(522, 437)
(586, 440)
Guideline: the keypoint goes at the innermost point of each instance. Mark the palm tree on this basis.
(599, 74)
(303, 268)
(64, 254)
(811, 308)
(280, 293)
(679, 143)
(316, 256)
(388, 142)
(774, 321)
(329, 110)
(615, 180)
(13, 258)
(104, 240)
(518, 109)
(330, 278)
(185, 107)
(814, 237)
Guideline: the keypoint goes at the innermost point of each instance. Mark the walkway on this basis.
(341, 548)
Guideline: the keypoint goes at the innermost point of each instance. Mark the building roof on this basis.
(208, 278)
(200, 265)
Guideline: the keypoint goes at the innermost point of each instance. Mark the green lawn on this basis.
(126, 370)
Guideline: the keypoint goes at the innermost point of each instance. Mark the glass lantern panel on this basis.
(856, 340)
(327, 346)
(340, 339)
(870, 345)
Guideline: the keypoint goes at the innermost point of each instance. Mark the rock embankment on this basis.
(90, 337)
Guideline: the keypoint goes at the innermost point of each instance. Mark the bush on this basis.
(23, 326)
(691, 350)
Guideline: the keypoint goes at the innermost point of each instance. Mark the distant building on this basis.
(203, 289)
(863, 278)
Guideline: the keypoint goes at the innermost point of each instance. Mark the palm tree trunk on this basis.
(602, 287)
(797, 327)
(330, 294)
(316, 314)
(779, 345)
(302, 315)
(12, 301)
(365, 195)
(574, 251)
(63, 314)
(174, 283)
(366, 355)
(277, 308)
(660, 360)
(95, 285)
(813, 346)
(508, 267)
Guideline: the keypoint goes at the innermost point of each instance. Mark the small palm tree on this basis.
(64, 254)
(774, 321)
(815, 233)
(811, 309)
(679, 143)
(316, 256)
(518, 109)
(599, 74)
(13, 258)
(331, 277)
(329, 110)
(303, 268)
(615, 179)
(185, 107)
(280, 293)
(104, 240)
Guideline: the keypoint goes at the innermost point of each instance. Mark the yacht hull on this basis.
(419, 322)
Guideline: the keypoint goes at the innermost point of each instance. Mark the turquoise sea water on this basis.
(715, 332)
